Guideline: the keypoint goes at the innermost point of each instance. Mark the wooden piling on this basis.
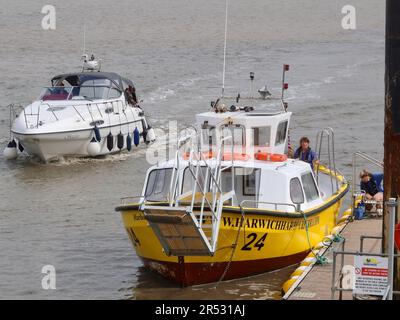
(392, 120)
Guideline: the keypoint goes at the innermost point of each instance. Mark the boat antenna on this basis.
(226, 29)
(84, 38)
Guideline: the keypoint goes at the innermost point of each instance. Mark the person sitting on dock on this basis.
(305, 153)
(372, 192)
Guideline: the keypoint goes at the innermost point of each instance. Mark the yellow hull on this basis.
(266, 241)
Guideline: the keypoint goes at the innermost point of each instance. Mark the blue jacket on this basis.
(370, 186)
(308, 156)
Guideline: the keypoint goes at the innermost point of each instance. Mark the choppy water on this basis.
(63, 213)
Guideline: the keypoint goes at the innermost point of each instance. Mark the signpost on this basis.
(371, 275)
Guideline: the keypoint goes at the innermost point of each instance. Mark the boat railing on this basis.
(181, 141)
(198, 159)
(50, 109)
(132, 199)
(15, 110)
(206, 173)
(275, 204)
(329, 136)
(212, 180)
(87, 111)
(179, 221)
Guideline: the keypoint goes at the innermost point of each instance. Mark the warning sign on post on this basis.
(371, 275)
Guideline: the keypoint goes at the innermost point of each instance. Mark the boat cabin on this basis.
(248, 126)
(267, 185)
(272, 183)
(86, 85)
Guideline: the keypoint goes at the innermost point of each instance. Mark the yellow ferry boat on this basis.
(231, 203)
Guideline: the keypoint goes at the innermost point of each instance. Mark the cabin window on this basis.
(99, 89)
(158, 184)
(246, 184)
(281, 133)
(188, 180)
(309, 186)
(114, 93)
(237, 133)
(261, 136)
(296, 191)
(208, 136)
(251, 182)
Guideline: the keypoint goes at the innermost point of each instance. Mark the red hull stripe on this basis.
(188, 274)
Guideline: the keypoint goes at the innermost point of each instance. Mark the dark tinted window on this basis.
(296, 191)
(281, 133)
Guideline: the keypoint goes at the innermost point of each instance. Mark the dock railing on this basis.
(337, 282)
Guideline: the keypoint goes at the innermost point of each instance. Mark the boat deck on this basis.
(316, 285)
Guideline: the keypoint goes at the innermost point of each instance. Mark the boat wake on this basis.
(68, 161)
(164, 92)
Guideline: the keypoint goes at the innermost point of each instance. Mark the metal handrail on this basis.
(215, 181)
(336, 172)
(71, 88)
(265, 202)
(328, 131)
(123, 199)
(354, 253)
(51, 109)
(362, 237)
(119, 103)
(392, 206)
(197, 160)
(181, 141)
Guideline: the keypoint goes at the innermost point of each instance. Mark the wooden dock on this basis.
(316, 284)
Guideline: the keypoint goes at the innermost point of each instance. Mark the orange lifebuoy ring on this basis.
(206, 155)
(236, 156)
(274, 157)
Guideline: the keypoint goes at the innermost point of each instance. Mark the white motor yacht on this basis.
(84, 114)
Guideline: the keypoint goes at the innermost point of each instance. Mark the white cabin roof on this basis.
(290, 167)
(251, 118)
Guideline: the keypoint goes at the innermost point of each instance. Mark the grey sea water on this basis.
(63, 213)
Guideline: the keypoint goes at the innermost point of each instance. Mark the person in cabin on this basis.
(305, 153)
(372, 192)
(59, 89)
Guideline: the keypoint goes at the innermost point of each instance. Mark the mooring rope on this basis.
(234, 245)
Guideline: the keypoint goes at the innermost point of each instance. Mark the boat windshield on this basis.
(56, 93)
(158, 183)
(92, 89)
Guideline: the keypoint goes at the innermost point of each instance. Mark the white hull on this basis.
(70, 134)
(74, 117)
(52, 146)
